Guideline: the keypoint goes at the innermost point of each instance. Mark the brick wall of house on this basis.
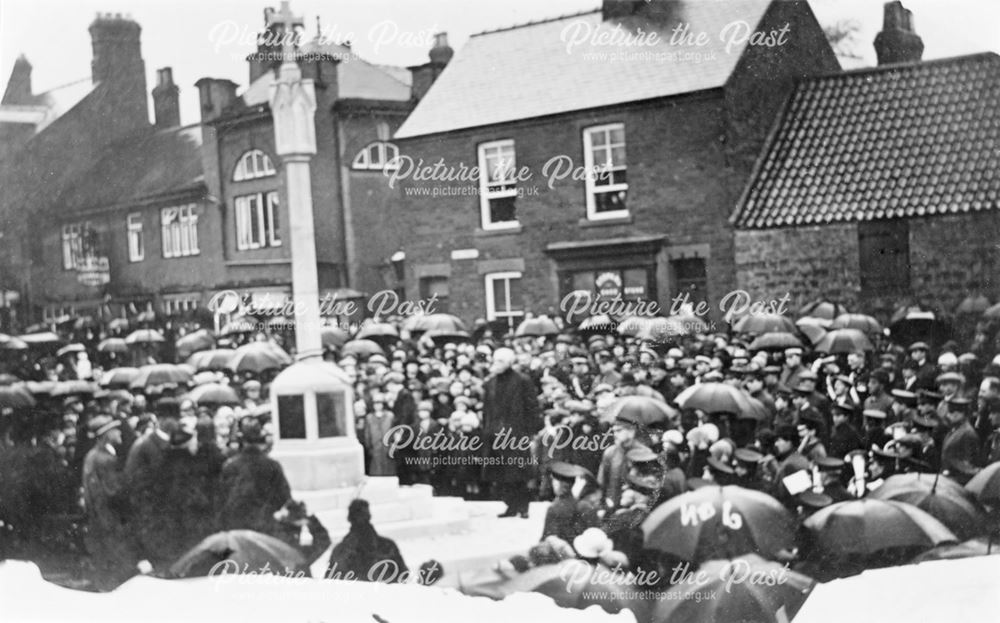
(805, 262)
(679, 187)
(953, 255)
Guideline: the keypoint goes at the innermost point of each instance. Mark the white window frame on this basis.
(252, 165)
(592, 167)
(71, 239)
(491, 303)
(179, 231)
(262, 207)
(377, 156)
(136, 246)
(496, 189)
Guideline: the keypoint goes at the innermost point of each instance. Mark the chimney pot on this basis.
(898, 42)
(166, 101)
(215, 95)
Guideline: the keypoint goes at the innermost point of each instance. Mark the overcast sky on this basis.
(200, 38)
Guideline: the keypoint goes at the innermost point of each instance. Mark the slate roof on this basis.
(54, 103)
(527, 71)
(356, 78)
(888, 142)
(144, 167)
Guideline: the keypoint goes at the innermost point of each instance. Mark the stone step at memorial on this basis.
(374, 489)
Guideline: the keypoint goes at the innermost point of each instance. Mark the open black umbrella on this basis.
(719, 522)
(112, 345)
(71, 349)
(736, 597)
(361, 348)
(333, 337)
(439, 336)
(643, 409)
(869, 525)
(942, 498)
(434, 322)
(911, 324)
(74, 387)
(144, 336)
(16, 397)
(986, 485)
(715, 398)
(966, 549)
(257, 357)
(536, 327)
(839, 341)
(199, 340)
(214, 394)
(825, 310)
(973, 305)
(813, 328)
(215, 359)
(764, 323)
(119, 378)
(862, 322)
(160, 374)
(775, 341)
(239, 551)
(9, 342)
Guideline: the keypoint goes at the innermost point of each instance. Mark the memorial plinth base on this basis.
(322, 465)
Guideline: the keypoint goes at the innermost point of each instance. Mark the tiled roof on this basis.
(46, 107)
(888, 142)
(356, 78)
(153, 164)
(531, 71)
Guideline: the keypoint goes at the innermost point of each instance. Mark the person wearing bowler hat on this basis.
(960, 448)
(926, 372)
(108, 539)
(252, 485)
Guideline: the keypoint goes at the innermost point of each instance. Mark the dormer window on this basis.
(252, 165)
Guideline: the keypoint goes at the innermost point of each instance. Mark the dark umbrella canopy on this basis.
(973, 305)
(238, 551)
(144, 336)
(719, 522)
(439, 336)
(862, 322)
(715, 398)
(377, 330)
(361, 348)
(160, 374)
(200, 340)
(825, 310)
(775, 341)
(41, 339)
(119, 378)
(868, 525)
(911, 324)
(214, 394)
(333, 337)
(434, 322)
(840, 341)
(939, 496)
(118, 324)
(112, 345)
(967, 549)
(215, 359)
(986, 485)
(813, 328)
(764, 323)
(257, 357)
(71, 349)
(645, 410)
(536, 327)
(736, 597)
(16, 397)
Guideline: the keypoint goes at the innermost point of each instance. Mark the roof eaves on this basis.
(535, 23)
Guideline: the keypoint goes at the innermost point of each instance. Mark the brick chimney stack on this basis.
(898, 42)
(117, 51)
(215, 95)
(166, 103)
(19, 88)
(425, 75)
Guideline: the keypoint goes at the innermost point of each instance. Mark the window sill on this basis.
(618, 220)
(488, 233)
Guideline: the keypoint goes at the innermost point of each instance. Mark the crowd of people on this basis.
(595, 421)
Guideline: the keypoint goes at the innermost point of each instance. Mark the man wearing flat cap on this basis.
(950, 384)
(108, 540)
(960, 449)
(793, 367)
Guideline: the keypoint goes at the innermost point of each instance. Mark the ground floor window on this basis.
(435, 286)
(504, 298)
(690, 278)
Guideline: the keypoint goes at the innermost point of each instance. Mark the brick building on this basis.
(127, 214)
(880, 186)
(646, 151)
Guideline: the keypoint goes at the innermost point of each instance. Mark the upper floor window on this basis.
(180, 230)
(79, 242)
(252, 165)
(257, 221)
(136, 246)
(497, 184)
(604, 161)
(377, 156)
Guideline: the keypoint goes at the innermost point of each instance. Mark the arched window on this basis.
(252, 165)
(377, 156)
